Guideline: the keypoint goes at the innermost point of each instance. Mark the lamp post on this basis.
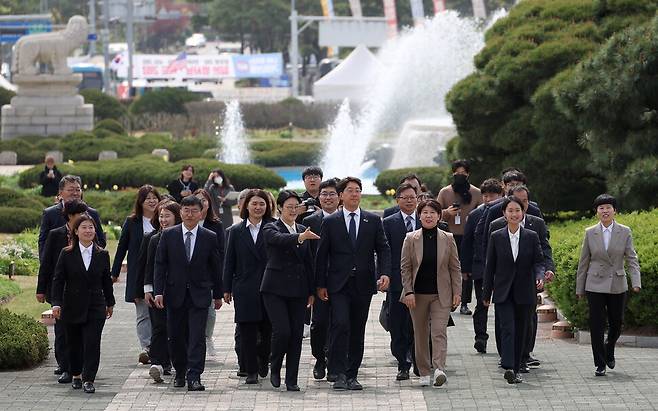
(294, 50)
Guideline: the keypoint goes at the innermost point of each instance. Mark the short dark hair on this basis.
(514, 175)
(74, 207)
(342, 184)
(511, 199)
(166, 204)
(605, 199)
(185, 167)
(518, 188)
(256, 192)
(191, 201)
(331, 183)
(411, 176)
(312, 171)
(69, 179)
(284, 195)
(431, 203)
(142, 193)
(492, 186)
(402, 187)
(461, 163)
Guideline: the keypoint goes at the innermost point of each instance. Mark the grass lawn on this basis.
(8, 288)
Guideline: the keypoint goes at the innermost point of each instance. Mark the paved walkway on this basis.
(565, 380)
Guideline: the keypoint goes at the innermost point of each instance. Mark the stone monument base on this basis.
(46, 105)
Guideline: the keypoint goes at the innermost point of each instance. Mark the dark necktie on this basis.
(410, 223)
(188, 245)
(352, 230)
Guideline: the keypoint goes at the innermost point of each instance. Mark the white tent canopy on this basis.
(351, 79)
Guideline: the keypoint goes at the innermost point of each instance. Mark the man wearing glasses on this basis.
(312, 177)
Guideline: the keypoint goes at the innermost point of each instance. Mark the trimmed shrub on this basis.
(110, 125)
(168, 100)
(8, 289)
(277, 153)
(566, 241)
(24, 150)
(5, 96)
(105, 106)
(112, 206)
(23, 341)
(15, 220)
(434, 178)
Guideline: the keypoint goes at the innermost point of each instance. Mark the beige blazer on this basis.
(448, 273)
(602, 271)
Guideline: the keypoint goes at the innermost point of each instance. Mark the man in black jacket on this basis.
(412, 179)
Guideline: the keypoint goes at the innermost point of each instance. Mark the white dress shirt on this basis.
(357, 219)
(413, 219)
(514, 242)
(192, 239)
(607, 234)
(254, 229)
(146, 225)
(86, 254)
(291, 228)
(325, 214)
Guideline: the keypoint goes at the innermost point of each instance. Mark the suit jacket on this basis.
(151, 252)
(509, 279)
(175, 187)
(396, 231)
(142, 265)
(244, 266)
(314, 222)
(338, 259)
(217, 227)
(173, 275)
(602, 271)
(82, 294)
(132, 233)
(390, 211)
(52, 217)
(289, 269)
(537, 225)
(58, 238)
(469, 257)
(448, 270)
(49, 186)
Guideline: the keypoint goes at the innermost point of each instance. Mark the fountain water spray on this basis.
(232, 138)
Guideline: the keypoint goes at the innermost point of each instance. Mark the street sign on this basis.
(12, 30)
(92, 37)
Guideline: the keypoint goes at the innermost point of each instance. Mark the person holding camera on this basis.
(458, 200)
(219, 186)
(49, 178)
(312, 177)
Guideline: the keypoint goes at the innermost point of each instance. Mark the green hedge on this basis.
(567, 239)
(277, 153)
(105, 106)
(168, 100)
(15, 220)
(112, 206)
(110, 124)
(23, 341)
(434, 178)
(8, 289)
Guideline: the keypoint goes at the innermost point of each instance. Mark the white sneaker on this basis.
(424, 380)
(439, 378)
(156, 372)
(307, 330)
(210, 347)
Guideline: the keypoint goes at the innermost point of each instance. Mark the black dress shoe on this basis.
(524, 369)
(242, 373)
(58, 371)
(88, 387)
(65, 378)
(599, 372)
(510, 377)
(480, 346)
(341, 383)
(179, 382)
(464, 310)
(195, 386)
(416, 371)
(166, 371)
(275, 379)
(518, 380)
(76, 384)
(611, 364)
(402, 375)
(262, 370)
(332, 377)
(354, 385)
(293, 387)
(532, 362)
(319, 370)
(251, 379)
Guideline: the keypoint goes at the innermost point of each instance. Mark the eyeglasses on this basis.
(407, 198)
(353, 191)
(193, 210)
(292, 207)
(328, 194)
(312, 177)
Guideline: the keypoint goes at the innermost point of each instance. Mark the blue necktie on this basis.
(410, 225)
(352, 230)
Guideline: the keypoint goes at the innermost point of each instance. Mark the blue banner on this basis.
(258, 65)
(11, 31)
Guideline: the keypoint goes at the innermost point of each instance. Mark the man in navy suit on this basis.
(412, 179)
(187, 275)
(396, 227)
(345, 275)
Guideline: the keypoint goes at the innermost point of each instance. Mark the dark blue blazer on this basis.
(314, 222)
(56, 241)
(391, 210)
(53, 218)
(337, 259)
(217, 227)
(151, 251)
(396, 230)
(509, 279)
(289, 269)
(142, 265)
(469, 256)
(174, 275)
(132, 233)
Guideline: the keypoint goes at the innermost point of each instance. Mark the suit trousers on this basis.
(186, 327)
(481, 313)
(287, 315)
(532, 335)
(602, 306)
(236, 347)
(84, 347)
(402, 331)
(430, 319)
(143, 324)
(513, 322)
(320, 322)
(61, 352)
(159, 351)
(255, 344)
(467, 284)
(349, 314)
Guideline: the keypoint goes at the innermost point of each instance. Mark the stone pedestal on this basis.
(46, 104)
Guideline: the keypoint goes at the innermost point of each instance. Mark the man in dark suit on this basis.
(412, 179)
(396, 227)
(321, 317)
(188, 273)
(70, 188)
(472, 262)
(345, 275)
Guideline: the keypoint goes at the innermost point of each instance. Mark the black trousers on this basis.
(186, 327)
(159, 351)
(287, 315)
(84, 347)
(349, 314)
(255, 344)
(402, 331)
(513, 319)
(481, 313)
(532, 335)
(236, 338)
(604, 306)
(320, 322)
(61, 352)
(467, 285)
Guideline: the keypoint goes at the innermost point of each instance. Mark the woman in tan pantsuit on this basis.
(431, 282)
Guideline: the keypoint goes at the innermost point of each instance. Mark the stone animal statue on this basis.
(49, 48)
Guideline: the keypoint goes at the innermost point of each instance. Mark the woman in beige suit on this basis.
(431, 282)
(602, 277)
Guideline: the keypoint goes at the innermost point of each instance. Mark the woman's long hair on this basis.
(74, 235)
(225, 181)
(144, 191)
(211, 217)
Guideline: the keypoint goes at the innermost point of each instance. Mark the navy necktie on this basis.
(352, 230)
(188, 245)
(410, 223)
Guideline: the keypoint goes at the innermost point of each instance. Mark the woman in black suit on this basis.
(132, 234)
(210, 221)
(183, 186)
(83, 299)
(244, 265)
(288, 286)
(514, 271)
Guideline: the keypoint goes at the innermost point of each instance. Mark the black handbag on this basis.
(384, 314)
